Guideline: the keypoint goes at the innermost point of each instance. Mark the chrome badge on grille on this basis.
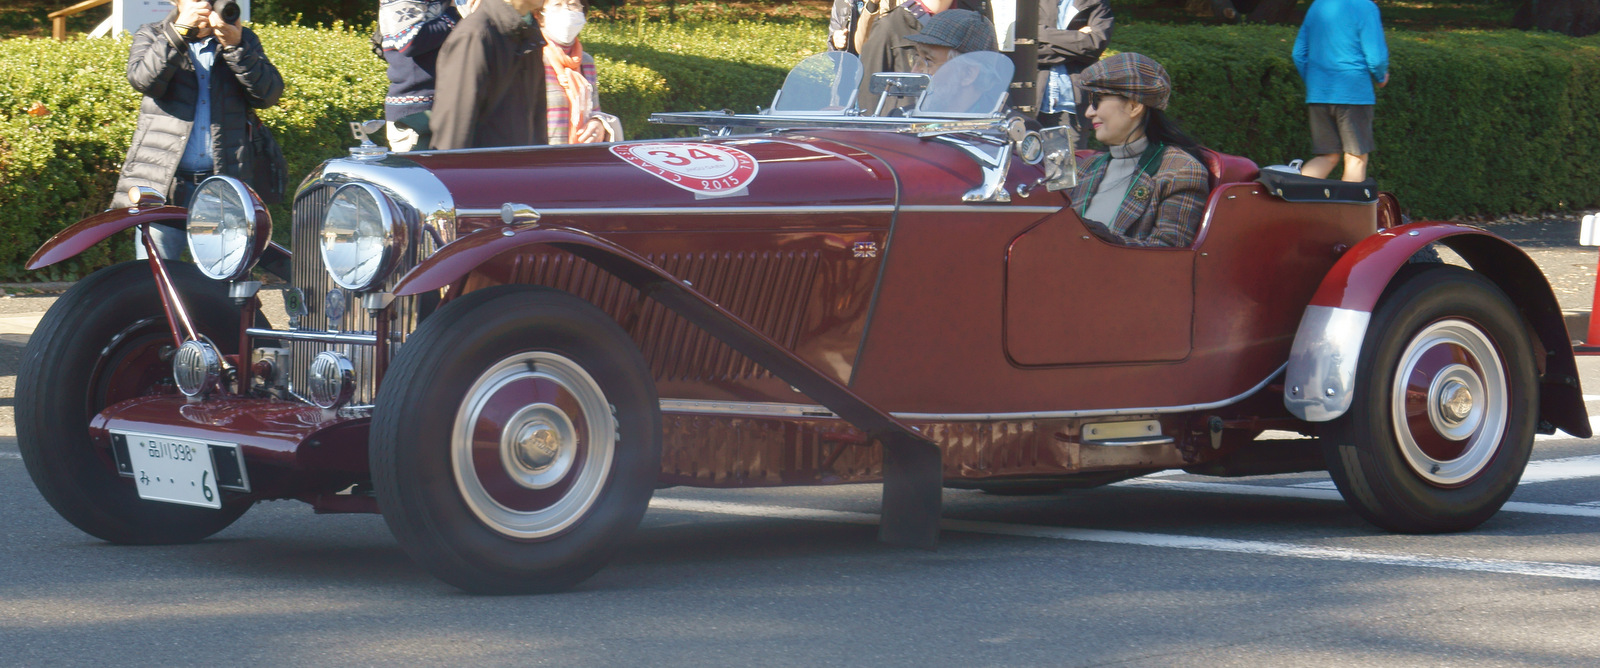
(334, 305)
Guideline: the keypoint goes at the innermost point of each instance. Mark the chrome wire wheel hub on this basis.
(1450, 402)
(532, 445)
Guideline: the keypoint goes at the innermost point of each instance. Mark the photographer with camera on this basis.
(202, 75)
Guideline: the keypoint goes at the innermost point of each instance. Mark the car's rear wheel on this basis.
(1445, 405)
(516, 441)
(104, 341)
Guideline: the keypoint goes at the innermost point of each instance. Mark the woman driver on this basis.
(1149, 190)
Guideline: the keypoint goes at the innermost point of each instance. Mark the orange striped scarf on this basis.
(569, 72)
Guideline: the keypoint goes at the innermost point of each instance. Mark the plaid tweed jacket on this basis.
(1160, 210)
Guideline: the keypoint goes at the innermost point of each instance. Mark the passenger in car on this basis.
(1150, 188)
(948, 34)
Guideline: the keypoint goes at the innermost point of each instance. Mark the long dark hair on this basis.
(1161, 128)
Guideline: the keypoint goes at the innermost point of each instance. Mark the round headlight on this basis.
(228, 228)
(361, 237)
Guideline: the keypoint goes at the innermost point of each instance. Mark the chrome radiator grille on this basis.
(312, 278)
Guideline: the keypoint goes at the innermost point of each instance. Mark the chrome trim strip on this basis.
(1131, 442)
(760, 409)
(1320, 383)
(766, 210)
(307, 335)
(745, 408)
(1056, 415)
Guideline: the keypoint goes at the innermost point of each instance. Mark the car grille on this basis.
(312, 278)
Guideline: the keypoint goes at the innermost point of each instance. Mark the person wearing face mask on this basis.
(1150, 188)
(572, 102)
(490, 89)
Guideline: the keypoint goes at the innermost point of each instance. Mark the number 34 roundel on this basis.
(706, 170)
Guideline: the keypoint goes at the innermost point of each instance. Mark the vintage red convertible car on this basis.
(505, 352)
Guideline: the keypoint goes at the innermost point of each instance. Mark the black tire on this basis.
(503, 361)
(1453, 459)
(95, 347)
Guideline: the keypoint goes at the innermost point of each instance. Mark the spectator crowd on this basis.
(488, 73)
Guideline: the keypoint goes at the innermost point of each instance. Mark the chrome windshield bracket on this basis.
(993, 157)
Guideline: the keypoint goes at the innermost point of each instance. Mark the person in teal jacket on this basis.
(1341, 54)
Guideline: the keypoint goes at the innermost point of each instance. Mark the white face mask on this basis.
(562, 25)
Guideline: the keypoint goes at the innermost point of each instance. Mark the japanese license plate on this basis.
(173, 470)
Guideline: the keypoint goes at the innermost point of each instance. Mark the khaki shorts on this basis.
(1341, 128)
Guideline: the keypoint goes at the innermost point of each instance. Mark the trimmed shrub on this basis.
(1471, 123)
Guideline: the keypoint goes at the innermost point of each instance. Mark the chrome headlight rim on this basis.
(256, 219)
(395, 237)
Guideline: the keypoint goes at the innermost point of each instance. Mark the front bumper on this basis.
(290, 449)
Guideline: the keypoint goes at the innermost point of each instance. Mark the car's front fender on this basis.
(80, 236)
(1319, 383)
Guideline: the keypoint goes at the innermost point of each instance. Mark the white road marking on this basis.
(1566, 468)
(1544, 470)
(1264, 548)
(1330, 494)
(10, 455)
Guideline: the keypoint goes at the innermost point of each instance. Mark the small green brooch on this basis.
(1141, 193)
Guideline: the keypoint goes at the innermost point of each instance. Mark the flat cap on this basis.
(964, 30)
(1131, 75)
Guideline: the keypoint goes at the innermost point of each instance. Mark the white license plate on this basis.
(173, 470)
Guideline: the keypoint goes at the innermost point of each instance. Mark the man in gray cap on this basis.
(948, 34)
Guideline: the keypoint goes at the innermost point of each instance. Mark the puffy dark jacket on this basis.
(159, 67)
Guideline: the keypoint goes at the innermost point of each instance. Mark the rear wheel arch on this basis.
(1327, 347)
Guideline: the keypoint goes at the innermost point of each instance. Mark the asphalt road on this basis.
(1166, 571)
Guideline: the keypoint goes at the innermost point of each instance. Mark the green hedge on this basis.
(1481, 122)
(1471, 123)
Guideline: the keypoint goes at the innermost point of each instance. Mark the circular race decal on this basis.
(706, 170)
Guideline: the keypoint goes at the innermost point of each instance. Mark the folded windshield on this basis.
(971, 85)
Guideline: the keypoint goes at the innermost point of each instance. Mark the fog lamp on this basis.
(332, 380)
(197, 368)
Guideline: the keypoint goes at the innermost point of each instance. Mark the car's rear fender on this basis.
(913, 474)
(1320, 379)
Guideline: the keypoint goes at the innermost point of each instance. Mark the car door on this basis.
(1071, 298)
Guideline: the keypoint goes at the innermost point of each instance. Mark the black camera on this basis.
(227, 9)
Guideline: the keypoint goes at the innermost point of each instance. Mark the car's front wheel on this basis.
(516, 441)
(1445, 405)
(104, 341)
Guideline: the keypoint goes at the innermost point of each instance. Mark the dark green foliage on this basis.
(315, 12)
(1471, 123)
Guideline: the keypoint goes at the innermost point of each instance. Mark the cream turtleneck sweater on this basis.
(1120, 172)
